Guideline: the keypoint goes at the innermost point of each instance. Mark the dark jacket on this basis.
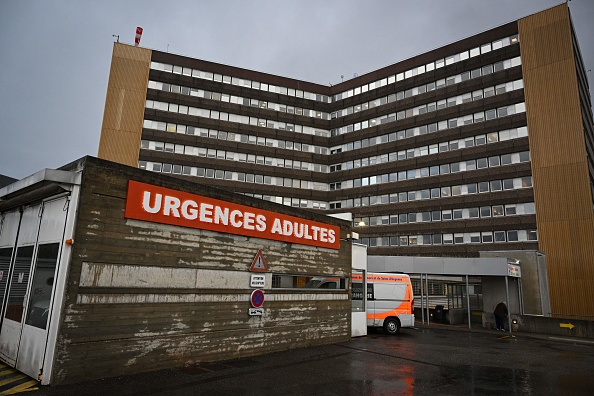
(501, 310)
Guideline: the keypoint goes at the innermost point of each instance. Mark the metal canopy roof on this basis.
(39, 185)
(496, 266)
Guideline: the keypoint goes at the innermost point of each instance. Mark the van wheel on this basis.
(391, 326)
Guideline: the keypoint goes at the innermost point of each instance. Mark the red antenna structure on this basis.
(138, 35)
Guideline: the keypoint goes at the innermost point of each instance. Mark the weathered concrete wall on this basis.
(555, 326)
(143, 296)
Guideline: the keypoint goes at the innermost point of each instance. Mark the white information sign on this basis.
(257, 280)
(256, 311)
(514, 271)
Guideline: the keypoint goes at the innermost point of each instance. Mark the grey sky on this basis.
(55, 55)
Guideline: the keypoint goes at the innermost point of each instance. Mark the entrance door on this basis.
(13, 305)
(28, 306)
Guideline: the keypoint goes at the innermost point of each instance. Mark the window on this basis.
(499, 236)
(512, 236)
(487, 237)
(483, 187)
(485, 211)
(481, 163)
(497, 210)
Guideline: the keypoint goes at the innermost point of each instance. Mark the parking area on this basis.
(424, 360)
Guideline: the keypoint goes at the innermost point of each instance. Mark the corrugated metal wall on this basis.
(560, 170)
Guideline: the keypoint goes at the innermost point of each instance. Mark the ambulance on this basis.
(390, 300)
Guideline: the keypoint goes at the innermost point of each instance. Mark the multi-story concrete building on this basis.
(483, 144)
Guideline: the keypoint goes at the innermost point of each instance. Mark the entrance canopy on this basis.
(483, 266)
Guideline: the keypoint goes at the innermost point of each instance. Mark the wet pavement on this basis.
(423, 361)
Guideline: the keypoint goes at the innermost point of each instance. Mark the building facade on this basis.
(109, 270)
(483, 144)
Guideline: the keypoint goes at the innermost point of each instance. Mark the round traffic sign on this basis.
(257, 298)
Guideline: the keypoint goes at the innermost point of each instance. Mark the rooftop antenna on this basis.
(342, 77)
(117, 36)
(138, 36)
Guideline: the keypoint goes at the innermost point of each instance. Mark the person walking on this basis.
(500, 314)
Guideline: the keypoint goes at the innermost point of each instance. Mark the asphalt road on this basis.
(422, 361)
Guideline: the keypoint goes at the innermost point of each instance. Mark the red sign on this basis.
(257, 298)
(163, 205)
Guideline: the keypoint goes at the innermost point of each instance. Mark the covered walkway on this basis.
(450, 266)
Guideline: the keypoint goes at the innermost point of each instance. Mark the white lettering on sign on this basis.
(301, 230)
(257, 280)
(162, 205)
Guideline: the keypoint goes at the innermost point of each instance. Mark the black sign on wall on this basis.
(358, 289)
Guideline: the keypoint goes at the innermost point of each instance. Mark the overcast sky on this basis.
(55, 55)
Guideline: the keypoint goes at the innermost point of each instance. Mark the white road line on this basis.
(571, 340)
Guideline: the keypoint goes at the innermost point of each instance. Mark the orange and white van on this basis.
(390, 300)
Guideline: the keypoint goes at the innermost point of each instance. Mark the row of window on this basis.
(223, 116)
(457, 144)
(434, 193)
(483, 49)
(447, 215)
(420, 130)
(442, 169)
(355, 91)
(505, 159)
(461, 238)
(476, 95)
(435, 85)
(232, 156)
(436, 126)
(234, 137)
(223, 97)
(410, 174)
(186, 71)
(229, 175)
(478, 140)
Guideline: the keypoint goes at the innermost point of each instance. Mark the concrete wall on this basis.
(555, 326)
(494, 293)
(143, 296)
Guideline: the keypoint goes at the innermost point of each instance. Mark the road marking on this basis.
(12, 379)
(24, 387)
(6, 372)
(571, 340)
